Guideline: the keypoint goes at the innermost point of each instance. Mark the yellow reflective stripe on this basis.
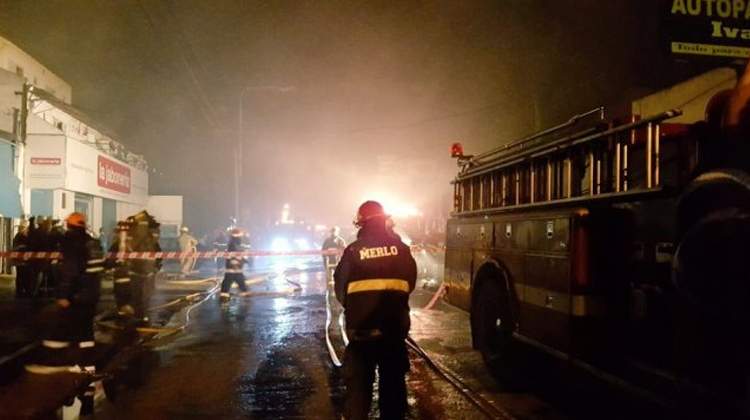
(371, 285)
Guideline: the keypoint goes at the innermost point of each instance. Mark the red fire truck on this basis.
(621, 248)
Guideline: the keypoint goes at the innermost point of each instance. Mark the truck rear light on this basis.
(457, 150)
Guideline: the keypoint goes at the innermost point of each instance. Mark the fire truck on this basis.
(620, 247)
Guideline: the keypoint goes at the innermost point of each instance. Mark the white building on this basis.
(55, 160)
(69, 165)
(15, 60)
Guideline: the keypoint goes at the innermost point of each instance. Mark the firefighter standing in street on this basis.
(23, 267)
(123, 287)
(332, 242)
(187, 244)
(233, 270)
(373, 281)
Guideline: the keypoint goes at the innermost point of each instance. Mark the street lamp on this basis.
(238, 157)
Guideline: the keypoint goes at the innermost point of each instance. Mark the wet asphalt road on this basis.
(264, 356)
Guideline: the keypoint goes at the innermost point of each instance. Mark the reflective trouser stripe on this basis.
(95, 265)
(371, 285)
(52, 344)
(123, 280)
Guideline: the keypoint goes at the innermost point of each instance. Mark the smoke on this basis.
(337, 100)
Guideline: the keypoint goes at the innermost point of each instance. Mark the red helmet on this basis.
(76, 219)
(236, 233)
(369, 210)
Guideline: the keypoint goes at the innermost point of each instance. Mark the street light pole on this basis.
(238, 161)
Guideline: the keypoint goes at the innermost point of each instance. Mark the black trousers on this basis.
(25, 282)
(230, 278)
(390, 357)
(135, 291)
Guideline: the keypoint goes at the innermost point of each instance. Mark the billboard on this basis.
(713, 29)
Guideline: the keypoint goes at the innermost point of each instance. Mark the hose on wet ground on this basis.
(331, 351)
(484, 405)
(193, 299)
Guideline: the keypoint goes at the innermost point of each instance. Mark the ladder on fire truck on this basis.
(582, 159)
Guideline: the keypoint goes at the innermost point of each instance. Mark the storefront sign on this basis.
(715, 29)
(45, 161)
(113, 176)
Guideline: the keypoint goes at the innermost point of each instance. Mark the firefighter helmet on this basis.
(76, 219)
(124, 225)
(236, 233)
(369, 210)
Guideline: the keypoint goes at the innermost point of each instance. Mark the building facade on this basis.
(69, 165)
(54, 159)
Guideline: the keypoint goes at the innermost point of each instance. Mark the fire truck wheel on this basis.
(494, 324)
(710, 265)
(110, 388)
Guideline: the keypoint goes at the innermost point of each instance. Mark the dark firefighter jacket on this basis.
(82, 267)
(373, 281)
(20, 244)
(234, 264)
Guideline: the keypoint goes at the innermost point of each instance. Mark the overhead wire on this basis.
(203, 102)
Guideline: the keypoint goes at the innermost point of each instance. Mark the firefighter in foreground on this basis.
(373, 281)
(69, 346)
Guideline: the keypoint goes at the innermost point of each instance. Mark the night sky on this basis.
(341, 100)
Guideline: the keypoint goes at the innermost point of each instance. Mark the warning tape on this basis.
(209, 254)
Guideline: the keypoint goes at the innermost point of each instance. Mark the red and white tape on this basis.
(210, 254)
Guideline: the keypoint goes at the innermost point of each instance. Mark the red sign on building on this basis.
(113, 176)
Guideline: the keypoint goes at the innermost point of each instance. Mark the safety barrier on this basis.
(208, 254)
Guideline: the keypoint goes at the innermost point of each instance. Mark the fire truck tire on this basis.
(711, 192)
(493, 322)
(710, 264)
(110, 388)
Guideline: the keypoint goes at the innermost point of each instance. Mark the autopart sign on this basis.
(718, 29)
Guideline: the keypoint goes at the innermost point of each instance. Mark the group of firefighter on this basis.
(133, 278)
(37, 277)
(74, 279)
(372, 280)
